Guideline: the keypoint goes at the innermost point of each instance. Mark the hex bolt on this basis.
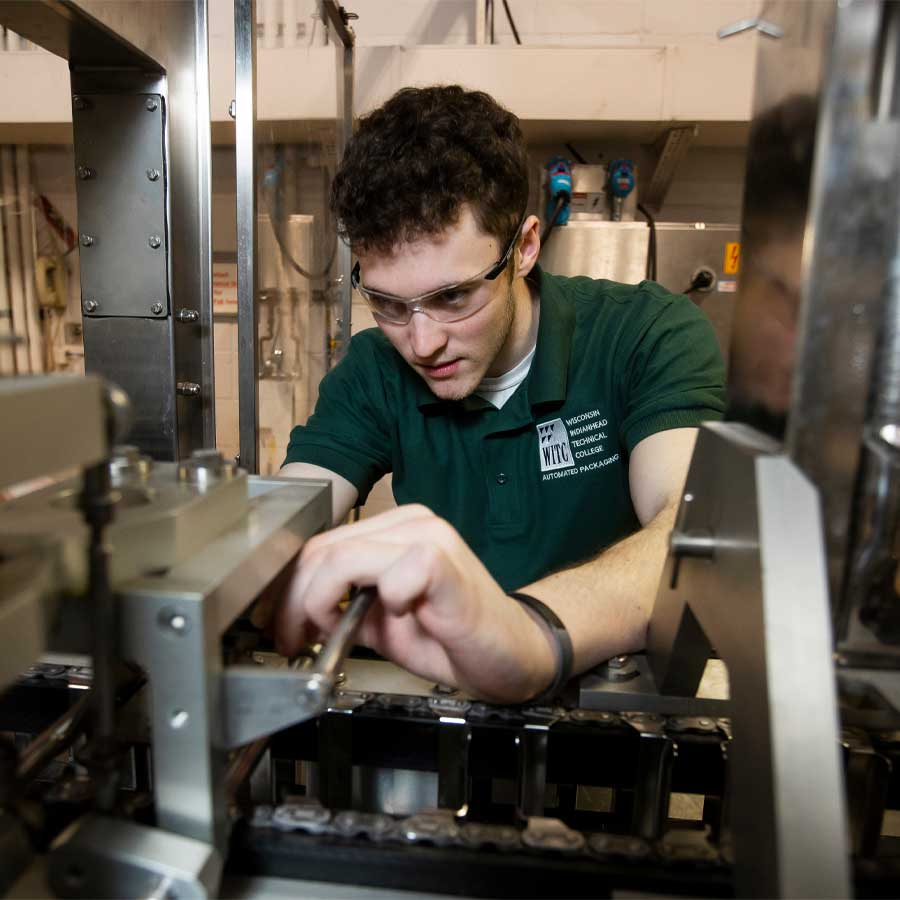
(188, 389)
(154, 241)
(152, 104)
(87, 240)
(188, 315)
(90, 306)
(84, 172)
(156, 309)
(153, 174)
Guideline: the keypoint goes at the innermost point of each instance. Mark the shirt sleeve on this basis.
(673, 372)
(348, 432)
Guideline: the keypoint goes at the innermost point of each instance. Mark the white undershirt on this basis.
(499, 389)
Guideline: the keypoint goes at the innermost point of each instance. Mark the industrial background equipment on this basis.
(154, 745)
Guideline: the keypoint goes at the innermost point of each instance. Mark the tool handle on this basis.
(328, 662)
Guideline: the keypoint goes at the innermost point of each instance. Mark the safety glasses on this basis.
(446, 304)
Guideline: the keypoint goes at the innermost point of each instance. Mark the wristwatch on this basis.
(562, 645)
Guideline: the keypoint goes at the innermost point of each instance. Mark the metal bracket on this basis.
(769, 29)
(674, 147)
(257, 702)
(108, 857)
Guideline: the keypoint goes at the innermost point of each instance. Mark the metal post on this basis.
(245, 153)
(204, 223)
(787, 802)
(337, 19)
(856, 166)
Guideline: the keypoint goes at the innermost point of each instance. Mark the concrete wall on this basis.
(584, 22)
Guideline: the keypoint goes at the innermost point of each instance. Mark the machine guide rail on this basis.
(524, 855)
(545, 858)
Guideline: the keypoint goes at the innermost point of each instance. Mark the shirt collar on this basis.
(550, 367)
(549, 374)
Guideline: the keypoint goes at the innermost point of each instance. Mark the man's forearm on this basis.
(343, 494)
(606, 602)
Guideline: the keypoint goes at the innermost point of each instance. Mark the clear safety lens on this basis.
(446, 306)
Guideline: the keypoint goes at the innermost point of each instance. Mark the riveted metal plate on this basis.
(123, 234)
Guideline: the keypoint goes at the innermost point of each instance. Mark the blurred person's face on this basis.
(764, 331)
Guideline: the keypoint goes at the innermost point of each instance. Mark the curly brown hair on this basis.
(415, 161)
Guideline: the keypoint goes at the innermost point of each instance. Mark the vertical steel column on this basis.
(345, 39)
(203, 189)
(344, 132)
(786, 787)
(849, 256)
(245, 154)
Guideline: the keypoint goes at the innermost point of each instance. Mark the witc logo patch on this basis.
(553, 446)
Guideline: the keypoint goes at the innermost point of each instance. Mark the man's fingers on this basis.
(321, 583)
(428, 570)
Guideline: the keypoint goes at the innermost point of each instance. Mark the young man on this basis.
(539, 427)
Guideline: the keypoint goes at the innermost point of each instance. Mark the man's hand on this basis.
(441, 615)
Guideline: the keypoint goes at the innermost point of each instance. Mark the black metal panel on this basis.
(121, 204)
(136, 355)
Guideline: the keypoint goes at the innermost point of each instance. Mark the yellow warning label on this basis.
(732, 258)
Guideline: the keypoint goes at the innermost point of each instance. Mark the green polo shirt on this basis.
(543, 482)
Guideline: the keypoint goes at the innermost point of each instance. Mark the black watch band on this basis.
(562, 644)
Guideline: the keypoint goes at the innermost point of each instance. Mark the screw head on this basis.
(156, 309)
(152, 104)
(86, 240)
(154, 241)
(84, 172)
(232, 109)
(80, 103)
(173, 621)
(153, 174)
(90, 306)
